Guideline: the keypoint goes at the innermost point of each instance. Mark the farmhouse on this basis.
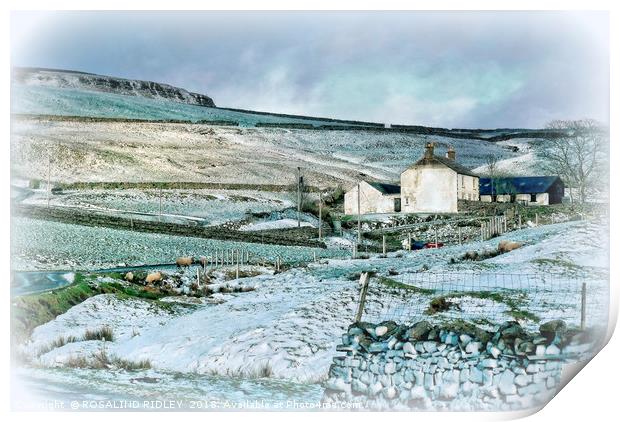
(434, 184)
(539, 190)
(373, 198)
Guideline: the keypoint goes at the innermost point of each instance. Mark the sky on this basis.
(447, 69)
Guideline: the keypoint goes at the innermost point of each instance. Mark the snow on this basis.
(285, 223)
(290, 325)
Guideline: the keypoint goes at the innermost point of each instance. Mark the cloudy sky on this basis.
(450, 69)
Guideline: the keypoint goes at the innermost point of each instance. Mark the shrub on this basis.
(103, 333)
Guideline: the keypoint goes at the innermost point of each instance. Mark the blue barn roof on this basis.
(516, 185)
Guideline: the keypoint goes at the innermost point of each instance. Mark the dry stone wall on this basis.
(425, 367)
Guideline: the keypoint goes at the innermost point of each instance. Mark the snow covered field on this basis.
(208, 206)
(289, 326)
(47, 245)
(155, 152)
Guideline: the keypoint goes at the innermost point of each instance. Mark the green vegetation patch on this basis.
(30, 311)
(515, 300)
(390, 282)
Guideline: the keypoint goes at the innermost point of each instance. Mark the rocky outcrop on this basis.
(454, 367)
(91, 82)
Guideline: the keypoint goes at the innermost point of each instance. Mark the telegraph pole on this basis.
(49, 170)
(298, 197)
(320, 214)
(359, 216)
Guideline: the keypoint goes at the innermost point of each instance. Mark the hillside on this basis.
(100, 128)
(28, 76)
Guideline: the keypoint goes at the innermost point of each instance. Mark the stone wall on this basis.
(458, 367)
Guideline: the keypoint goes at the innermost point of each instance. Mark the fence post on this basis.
(536, 218)
(362, 302)
(237, 274)
(384, 249)
(482, 232)
(505, 223)
(436, 239)
(314, 255)
(583, 306)
(519, 221)
(459, 230)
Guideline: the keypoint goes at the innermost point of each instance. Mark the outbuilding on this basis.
(538, 190)
(373, 198)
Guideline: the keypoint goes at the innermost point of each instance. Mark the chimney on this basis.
(428, 150)
(451, 154)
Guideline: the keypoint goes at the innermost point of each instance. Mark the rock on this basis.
(419, 330)
(507, 383)
(489, 363)
(522, 380)
(465, 339)
(381, 330)
(511, 330)
(409, 349)
(473, 348)
(495, 352)
(532, 368)
(449, 391)
(540, 350)
(390, 368)
(375, 389)
(552, 350)
(390, 392)
(475, 375)
(430, 346)
(359, 387)
(377, 347)
(551, 329)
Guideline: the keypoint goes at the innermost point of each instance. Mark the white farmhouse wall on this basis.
(468, 188)
(371, 200)
(430, 189)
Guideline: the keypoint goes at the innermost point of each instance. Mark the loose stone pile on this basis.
(456, 367)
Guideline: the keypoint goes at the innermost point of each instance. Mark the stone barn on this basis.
(435, 184)
(535, 190)
(373, 198)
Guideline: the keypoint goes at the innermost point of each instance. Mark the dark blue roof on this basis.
(385, 188)
(515, 185)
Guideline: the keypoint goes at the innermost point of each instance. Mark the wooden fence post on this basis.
(536, 218)
(364, 289)
(459, 230)
(384, 249)
(238, 263)
(583, 306)
(482, 232)
(519, 221)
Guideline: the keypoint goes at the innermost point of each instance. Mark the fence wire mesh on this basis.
(486, 298)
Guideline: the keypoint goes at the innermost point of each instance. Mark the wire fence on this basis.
(487, 298)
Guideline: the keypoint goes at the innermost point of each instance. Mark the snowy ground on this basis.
(47, 245)
(207, 206)
(289, 326)
(143, 152)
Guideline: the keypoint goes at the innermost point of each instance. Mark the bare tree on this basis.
(491, 170)
(575, 153)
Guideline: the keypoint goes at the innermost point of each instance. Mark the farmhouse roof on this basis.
(515, 185)
(446, 162)
(385, 188)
